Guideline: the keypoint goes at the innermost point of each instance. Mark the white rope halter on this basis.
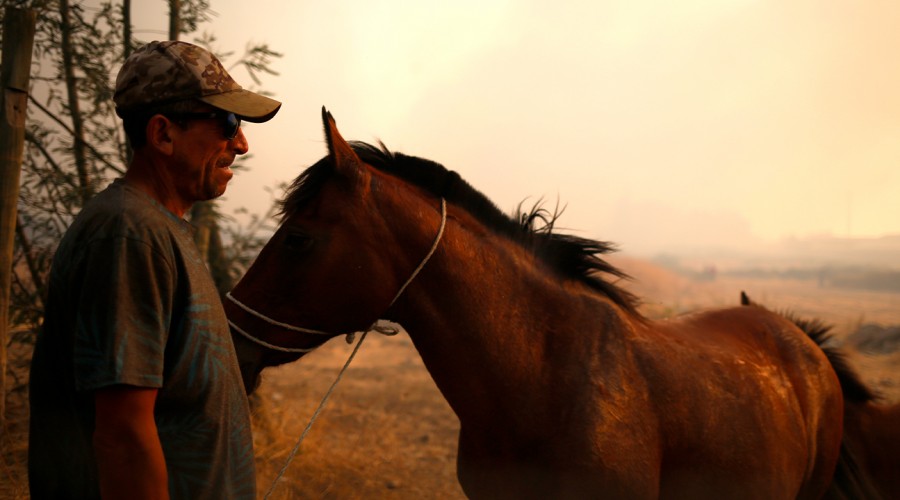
(383, 329)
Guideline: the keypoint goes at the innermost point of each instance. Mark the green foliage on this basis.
(193, 14)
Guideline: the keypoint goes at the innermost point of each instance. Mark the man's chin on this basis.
(214, 192)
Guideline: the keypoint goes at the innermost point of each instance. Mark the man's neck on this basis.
(152, 180)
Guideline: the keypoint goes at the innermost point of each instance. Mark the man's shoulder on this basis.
(118, 216)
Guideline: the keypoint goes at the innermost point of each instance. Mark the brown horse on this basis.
(562, 389)
(869, 466)
(873, 436)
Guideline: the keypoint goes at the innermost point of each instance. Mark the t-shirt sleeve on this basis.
(123, 314)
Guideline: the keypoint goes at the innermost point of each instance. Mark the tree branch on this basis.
(96, 154)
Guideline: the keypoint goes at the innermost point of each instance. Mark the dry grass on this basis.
(14, 435)
(14, 445)
(388, 433)
(385, 433)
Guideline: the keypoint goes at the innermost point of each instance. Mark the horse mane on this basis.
(571, 257)
(852, 385)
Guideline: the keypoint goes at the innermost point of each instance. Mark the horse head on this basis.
(333, 265)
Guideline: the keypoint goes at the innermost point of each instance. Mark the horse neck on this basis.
(489, 318)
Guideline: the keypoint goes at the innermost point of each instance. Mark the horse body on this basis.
(542, 412)
(562, 389)
(589, 401)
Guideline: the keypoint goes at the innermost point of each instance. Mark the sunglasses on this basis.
(230, 122)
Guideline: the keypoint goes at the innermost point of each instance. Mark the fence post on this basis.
(15, 69)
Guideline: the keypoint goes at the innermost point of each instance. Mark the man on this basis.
(135, 388)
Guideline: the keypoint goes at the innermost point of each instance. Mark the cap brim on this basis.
(247, 105)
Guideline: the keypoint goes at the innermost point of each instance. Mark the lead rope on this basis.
(314, 417)
(374, 327)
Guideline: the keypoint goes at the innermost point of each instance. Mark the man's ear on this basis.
(159, 134)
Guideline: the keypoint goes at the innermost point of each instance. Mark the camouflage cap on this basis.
(166, 72)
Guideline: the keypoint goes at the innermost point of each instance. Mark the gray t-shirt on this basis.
(132, 302)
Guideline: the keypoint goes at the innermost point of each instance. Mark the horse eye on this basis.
(297, 241)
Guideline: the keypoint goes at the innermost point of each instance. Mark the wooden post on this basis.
(15, 68)
(174, 19)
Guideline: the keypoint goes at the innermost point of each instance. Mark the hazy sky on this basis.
(660, 125)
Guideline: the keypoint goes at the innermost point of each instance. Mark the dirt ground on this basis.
(387, 432)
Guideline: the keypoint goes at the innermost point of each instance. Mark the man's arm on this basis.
(130, 460)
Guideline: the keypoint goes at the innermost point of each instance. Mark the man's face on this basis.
(203, 157)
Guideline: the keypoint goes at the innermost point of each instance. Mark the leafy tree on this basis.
(75, 144)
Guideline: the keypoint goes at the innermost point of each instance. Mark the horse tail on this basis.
(851, 478)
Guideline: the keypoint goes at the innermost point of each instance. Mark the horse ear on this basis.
(345, 160)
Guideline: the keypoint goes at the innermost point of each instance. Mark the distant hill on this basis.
(849, 263)
(883, 252)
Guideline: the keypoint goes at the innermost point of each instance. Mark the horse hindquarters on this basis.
(766, 413)
(822, 400)
(870, 433)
